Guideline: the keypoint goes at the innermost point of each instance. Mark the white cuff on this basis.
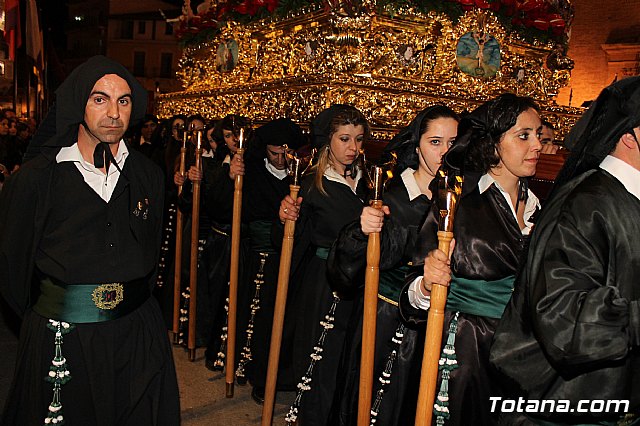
(416, 298)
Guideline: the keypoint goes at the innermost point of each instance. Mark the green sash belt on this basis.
(480, 297)
(391, 282)
(260, 233)
(322, 252)
(85, 303)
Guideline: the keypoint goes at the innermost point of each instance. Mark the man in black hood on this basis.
(80, 230)
(571, 332)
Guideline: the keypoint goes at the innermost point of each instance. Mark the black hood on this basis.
(60, 127)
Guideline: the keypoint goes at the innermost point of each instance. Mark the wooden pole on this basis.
(233, 275)
(447, 199)
(432, 344)
(278, 314)
(193, 273)
(377, 176)
(371, 281)
(177, 273)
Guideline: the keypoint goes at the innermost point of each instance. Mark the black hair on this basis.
(500, 114)
(229, 122)
(406, 151)
(547, 124)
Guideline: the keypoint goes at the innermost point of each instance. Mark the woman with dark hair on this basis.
(419, 148)
(497, 149)
(333, 196)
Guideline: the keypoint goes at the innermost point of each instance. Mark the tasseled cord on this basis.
(304, 384)
(58, 372)
(447, 363)
(247, 355)
(385, 377)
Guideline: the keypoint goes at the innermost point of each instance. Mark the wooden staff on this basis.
(448, 200)
(177, 273)
(233, 274)
(371, 281)
(297, 168)
(193, 274)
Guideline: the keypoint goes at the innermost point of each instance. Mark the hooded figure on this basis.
(60, 126)
(266, 182)
(79, 245)
(571, 331)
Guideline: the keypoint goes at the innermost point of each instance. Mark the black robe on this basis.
(346, 265)
(114, 364)
(215, 259)
(321, 218)
(572, 328)
(489, 244)
(261, 197)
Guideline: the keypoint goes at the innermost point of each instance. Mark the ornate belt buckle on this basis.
(108, 296)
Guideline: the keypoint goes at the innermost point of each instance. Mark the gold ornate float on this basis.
(388, 64)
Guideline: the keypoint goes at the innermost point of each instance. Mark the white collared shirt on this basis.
(529, 207)
(628, 175)
(103, 184)
(331, 174)
(410, 183)
(416, 297)
(280, 174)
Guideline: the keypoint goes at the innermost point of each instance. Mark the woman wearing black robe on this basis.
(333, 196)
(501, 139)
(419, 148)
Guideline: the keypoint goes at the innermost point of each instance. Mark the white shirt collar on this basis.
(331, 174)
(628, 175)
(280, 174)
(410, 183)
(103, 184)
(72, 153)
(529, 208)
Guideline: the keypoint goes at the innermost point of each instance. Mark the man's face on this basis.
(148, 127)
(108, 109)
(276, 156)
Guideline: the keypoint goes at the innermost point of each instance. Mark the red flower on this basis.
(482, 4)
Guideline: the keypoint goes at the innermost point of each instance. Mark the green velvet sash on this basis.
(322, 252)
(391, 283)
(86, 303)
(480, 297)
(260, 233)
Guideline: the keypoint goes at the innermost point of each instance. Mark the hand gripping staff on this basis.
(297, 167)
(193, 271)
(233, 272)
(378, 176)
(177, 273)
(448, 194)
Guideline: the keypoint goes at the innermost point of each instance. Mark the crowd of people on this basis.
(543, 298)
(15, 135)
